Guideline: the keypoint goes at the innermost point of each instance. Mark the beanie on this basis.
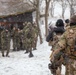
(59, 23)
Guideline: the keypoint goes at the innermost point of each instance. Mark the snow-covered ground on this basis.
(20, 64)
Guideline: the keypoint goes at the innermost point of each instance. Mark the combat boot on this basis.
(18, 49)
(34, 49)
(3, 55)
(14, 49)
(31, 55)
(7, 56)
(26, 51)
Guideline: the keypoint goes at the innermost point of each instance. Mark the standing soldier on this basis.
(24, 37)
(67, 44)
(5, 41)
(21, 35)
(16, 39)
(54, 36)
(28, 34)
(1, 28)
(35, 29)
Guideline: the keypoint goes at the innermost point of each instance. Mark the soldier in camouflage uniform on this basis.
(28, 38)
(24, 37)
(16, 39)
(5, 42)
(1, 28)
(54, 36)
(21, 35)
(0, 35)
(67, 43)
(35, 35)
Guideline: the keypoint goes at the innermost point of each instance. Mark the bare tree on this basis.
(36, 5)
(47, 2)
(52, 8)
(64, 5)
(72, 4)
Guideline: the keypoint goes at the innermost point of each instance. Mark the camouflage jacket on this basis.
(67, 42)
(54, 35)
(35, 30)
(15, 34)
(5, 37)
(28, 33)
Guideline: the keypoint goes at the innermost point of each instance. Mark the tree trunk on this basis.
(37, 21)
(46, 18)
(71, 10)
(52, 9)
(63, 11)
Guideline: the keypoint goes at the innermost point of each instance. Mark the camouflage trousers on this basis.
(16, 43)
(34, 44)
(5, 46)
(71, 67)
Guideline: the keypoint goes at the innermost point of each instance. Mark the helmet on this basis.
(67, 21)
(59, 23)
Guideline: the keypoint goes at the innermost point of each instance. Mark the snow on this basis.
(20, 64)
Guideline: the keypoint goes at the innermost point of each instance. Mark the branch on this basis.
(68, 2)
(32, 3)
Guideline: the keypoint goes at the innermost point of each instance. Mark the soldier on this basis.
(59, 28)
(50, 29)
(67, 24)
(1, 28)
(16, 39)
(21, 35)
(5, 42)
(67, 43)
(24, 38)
(29, 38)
(54, 36)
(35, 28)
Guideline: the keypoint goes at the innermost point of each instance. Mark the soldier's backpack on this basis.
(71, 43)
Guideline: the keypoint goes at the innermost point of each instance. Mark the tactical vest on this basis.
(71, 43)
